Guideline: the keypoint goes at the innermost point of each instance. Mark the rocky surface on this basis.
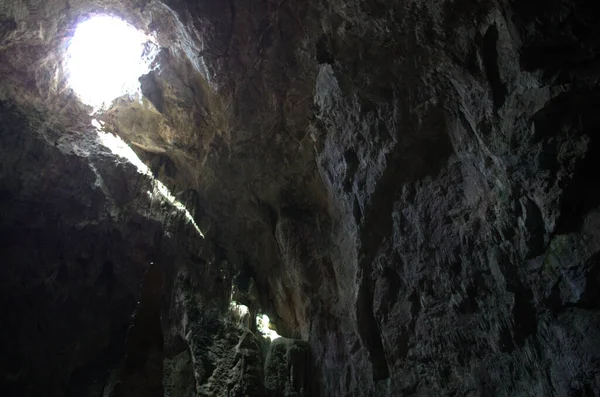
(77, 236)
(408, 189)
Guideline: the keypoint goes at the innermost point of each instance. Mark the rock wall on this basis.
(410, 187)
(455, 163)
(78, 233)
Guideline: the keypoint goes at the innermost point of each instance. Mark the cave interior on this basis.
(299, 199)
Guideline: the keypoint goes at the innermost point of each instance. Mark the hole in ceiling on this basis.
(105, 58)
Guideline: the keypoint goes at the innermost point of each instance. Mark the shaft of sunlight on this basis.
(120, 148)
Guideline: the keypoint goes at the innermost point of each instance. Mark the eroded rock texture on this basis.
(408, 188)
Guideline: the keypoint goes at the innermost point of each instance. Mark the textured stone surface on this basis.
(288, 368)
(409, 187)
(78, 232)
(456, 190)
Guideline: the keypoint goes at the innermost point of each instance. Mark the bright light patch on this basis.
(263, 323)
(238, 309)
(105, 58)
(120, 148)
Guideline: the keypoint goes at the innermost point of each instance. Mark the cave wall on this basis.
(475, 267)
(78, 233)
(410, 185)
(106, 289)
(445, 241)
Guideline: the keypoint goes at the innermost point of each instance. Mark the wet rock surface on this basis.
(408, 189)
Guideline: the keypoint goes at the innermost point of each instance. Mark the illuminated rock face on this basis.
(408, 190)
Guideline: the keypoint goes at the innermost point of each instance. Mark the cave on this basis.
(299, 199)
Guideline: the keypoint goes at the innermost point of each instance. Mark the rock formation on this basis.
(409, 189)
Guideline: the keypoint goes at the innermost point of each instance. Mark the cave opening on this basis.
(105, 58)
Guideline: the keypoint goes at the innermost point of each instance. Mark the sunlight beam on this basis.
(120, 148)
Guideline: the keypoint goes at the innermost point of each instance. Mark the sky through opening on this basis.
(105, 58)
